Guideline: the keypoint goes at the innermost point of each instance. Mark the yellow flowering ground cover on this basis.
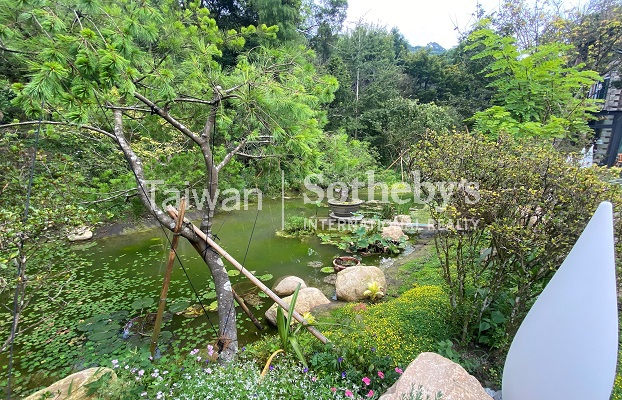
(400, 328)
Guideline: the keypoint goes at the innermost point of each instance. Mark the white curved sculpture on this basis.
(567, 346)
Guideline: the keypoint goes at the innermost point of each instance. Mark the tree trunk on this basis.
(227, 331)
(228, 338)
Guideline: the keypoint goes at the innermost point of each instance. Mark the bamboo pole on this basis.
(173, 213)
(247, 310)
(167, 276)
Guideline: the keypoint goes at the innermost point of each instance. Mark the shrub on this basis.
(510, 224)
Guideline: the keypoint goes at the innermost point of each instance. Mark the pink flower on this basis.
(366, 380)
(398, 370)
(349, 393)
(333, 389)
(371, 393)
(381, 374)
(314, 378)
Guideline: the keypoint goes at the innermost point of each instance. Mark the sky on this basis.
(422, 22)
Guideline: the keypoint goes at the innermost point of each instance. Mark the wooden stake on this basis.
(247, 310)
(173, 213)
(167, 276)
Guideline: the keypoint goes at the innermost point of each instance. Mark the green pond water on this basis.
(129, 267)
(269, 256)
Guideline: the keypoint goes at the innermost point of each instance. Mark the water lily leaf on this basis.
(165, 336)
(119, 315)
(142, 303)
(265, 277)
(213, 306)
(328, 270)
(233, 272)
(97, 336)
(178, 306)
(96, 318)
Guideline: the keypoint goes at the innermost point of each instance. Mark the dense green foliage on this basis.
(510, 222)
(537, 92)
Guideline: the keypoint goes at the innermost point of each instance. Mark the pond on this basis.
(269, 256)
(126, 269)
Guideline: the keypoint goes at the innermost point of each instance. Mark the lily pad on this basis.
(213, 306)
(178, 306)
(328, 270)
(265, 277)
(142, 303)
(97, 336)
(165, 336)
(233, 272)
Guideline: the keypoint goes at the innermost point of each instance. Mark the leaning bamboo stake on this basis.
(167, 277)
(173, 213)
(240, 301)
(247, 310)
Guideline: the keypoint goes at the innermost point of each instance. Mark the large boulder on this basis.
(80, 234)
(308, 298)
(431, 373)
(73, 386)
(287, 285)
(352, 282)
(393, 232)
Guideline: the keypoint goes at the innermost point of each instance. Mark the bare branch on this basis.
(87, 127)
(256, 157)
(167, 117)
(122, 193)
(191, 100)
(230, 155)
(112, 107)
(135, 164)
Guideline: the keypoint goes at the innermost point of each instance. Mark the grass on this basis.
(423, 270)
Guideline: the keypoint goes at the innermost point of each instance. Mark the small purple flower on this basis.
(210, 350)
(305, 370)
(243, 348)
(141, 372)
(373, 349)
(271, 367)
(343, 374)
(115, 363)
(340, 360)
(193, 352)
